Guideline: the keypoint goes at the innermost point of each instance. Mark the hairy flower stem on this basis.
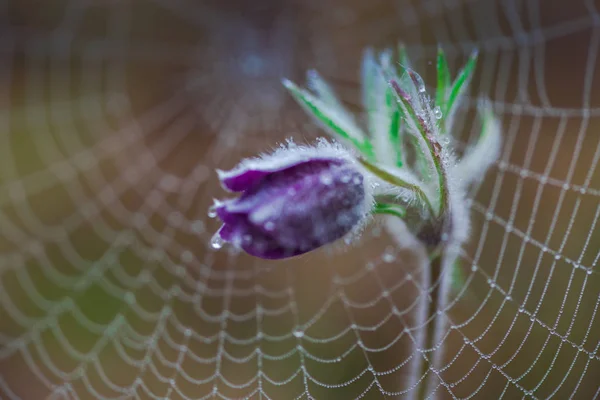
(436, 300)
(417, 361)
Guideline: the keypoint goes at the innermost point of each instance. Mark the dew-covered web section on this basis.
(114, 116)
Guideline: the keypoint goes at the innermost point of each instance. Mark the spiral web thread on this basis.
(109, 285)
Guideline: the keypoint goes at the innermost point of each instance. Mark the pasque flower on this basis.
(293, 201)
(405, 165)
(300, 198)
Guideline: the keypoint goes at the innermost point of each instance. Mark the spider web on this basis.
(114, 115)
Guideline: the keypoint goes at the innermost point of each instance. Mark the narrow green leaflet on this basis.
(424, 163)
(423, 136)
(426, 128)
(459, 86)
(395, 128)
(443, 82)
(426, 115)
(395, 132)
(322, 89)
(326, 94)
(330, 118)
(383, 127)
(390, 209)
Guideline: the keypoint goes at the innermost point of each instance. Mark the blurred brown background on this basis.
(114, 115)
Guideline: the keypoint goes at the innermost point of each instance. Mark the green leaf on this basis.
(443, 81)
(396, 128)
(424, 163)
(459, 86)
(417, 125)
(390, 209)
(395, 134)
(427, 140)
(330, 118)
(405, 101)
(381, 111)
(326, 94)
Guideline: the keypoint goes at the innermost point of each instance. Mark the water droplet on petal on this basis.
(326, 179)
(217, 241)
(212, 212)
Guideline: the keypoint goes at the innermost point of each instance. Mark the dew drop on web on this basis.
(437, 112)
(389, 256)
(298, 333)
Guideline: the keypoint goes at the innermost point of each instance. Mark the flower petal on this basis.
(254, 242)
(240, 181)
(243, 179)
(296, 208)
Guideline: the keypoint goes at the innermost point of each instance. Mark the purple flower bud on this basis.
(293, 201)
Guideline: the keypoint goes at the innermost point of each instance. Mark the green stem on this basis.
(443, 83)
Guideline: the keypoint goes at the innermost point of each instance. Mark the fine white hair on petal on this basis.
(288, 154)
